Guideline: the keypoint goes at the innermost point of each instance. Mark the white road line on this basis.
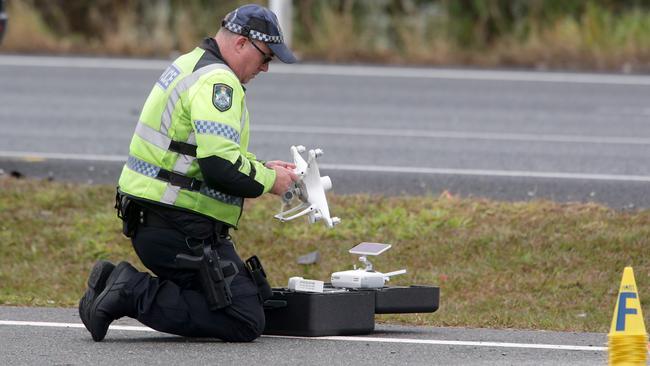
(387, 132)
(83, 62)
(451, 343)
(40, 156)
(71, 325)
(561, 347)
(485, 172)
(31, 155)
(341, 70)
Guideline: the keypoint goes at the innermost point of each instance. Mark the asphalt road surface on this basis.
(38, 336)
(502, 134)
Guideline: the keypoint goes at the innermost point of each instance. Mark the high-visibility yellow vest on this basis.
(192, 112)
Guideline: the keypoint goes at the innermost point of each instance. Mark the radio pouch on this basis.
(129, 214)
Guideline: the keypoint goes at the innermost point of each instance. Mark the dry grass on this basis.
(538, 265)
(359, 31)
(27, 32)
(155, 30)
(597, 41)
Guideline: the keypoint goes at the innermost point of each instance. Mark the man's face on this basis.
(256, 57)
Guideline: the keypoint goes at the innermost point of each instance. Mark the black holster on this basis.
(207, 262)
(256, 270)
(129, 214)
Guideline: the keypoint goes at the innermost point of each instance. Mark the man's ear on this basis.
(240, 42)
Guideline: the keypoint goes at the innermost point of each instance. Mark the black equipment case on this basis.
(342, 312)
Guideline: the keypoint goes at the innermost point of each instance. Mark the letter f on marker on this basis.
(623, 310)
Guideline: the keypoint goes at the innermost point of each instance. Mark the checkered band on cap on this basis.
(216, 128)
(239, 29)
(235, 28)
(220, 196)
(265, 37)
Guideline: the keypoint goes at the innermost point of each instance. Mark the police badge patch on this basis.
(222, 97)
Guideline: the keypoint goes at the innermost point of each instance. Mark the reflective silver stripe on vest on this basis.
(191, 139)
(152, 136)
(180, 88)
(183, 162)
(244, 112)
(171, 193)
(216, 128)
(158, 139)
(182, 165)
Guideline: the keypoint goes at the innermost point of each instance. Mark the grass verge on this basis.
(550, 34)
(531, 265)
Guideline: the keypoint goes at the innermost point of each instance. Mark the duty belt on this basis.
(148, 217)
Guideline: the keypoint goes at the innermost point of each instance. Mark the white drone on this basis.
(309, 189)
(366, 277)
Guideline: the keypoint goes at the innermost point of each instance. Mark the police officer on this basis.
(183, 188)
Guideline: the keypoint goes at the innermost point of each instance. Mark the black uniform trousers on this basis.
(173, 302)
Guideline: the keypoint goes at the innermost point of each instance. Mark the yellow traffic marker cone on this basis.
(627, 337)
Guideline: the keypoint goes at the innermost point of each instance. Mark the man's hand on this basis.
(284, 164)
(283, 179)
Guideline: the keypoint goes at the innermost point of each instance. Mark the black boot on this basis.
(96, 283)
(112, 303)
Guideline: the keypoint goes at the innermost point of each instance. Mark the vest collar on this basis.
(210, 45)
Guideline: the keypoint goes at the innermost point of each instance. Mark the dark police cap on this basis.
(257, 22)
